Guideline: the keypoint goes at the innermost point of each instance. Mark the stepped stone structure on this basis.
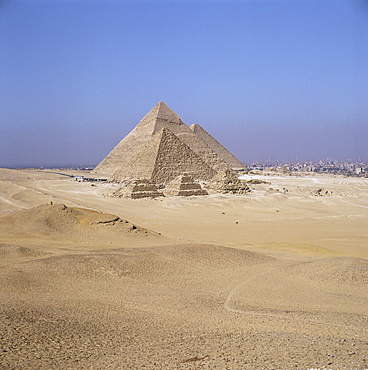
(137, 189)
(184, 185)
(162, 158)
(221, 151)
(226, 182)
(159, 117)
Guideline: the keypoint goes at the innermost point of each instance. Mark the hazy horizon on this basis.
(271, 80)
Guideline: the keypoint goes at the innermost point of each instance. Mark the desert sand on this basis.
(275, 279)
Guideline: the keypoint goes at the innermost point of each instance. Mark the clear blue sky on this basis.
(282, 80)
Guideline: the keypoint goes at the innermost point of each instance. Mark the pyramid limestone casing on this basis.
(220, 150)
(184, 185)
(160, 116)
(162, 158)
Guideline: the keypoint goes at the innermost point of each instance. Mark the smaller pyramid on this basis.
(137, 189)
(161, 159)
(220, 150)
(226, 182)
(184, 185)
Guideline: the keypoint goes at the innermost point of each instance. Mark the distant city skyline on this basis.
(270, 80)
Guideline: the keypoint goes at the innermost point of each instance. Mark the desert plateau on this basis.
(273, 279)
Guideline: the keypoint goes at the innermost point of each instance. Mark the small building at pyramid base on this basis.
(226, 182)
(137, 189)
(184, 185)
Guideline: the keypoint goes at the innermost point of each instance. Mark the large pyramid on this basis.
(162, 158)
(221, 151)
(160, 116)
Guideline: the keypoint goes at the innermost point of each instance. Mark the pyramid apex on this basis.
(163, 112)
(159, 105)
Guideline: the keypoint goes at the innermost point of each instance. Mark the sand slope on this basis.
(60, 219)
(88, 282)
(57, 227)
(176, 307)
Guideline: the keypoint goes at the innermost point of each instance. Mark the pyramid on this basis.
(184, 185)
(162, 158)
(137, 189)
(226, 182)
(221, 151)
(160, 116)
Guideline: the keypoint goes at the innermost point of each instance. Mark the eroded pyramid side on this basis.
(163, 158)
(132, 142)
(219, 149)
(141, 164)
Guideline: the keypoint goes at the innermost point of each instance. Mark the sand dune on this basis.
(15, 251)
(60, 219)
(144, 263)
(347, 270)
(267, 281)
(57, 227)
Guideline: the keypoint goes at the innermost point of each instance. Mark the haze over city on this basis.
(281, 80)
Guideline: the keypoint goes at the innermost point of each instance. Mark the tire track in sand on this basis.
(234, 290)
